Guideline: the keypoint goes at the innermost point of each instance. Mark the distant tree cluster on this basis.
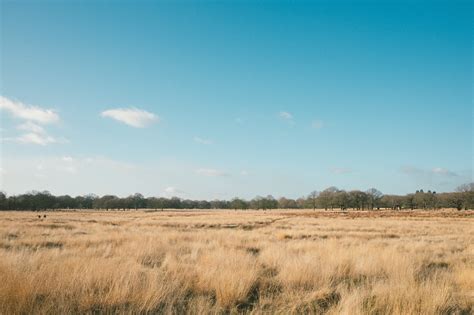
(330, 198)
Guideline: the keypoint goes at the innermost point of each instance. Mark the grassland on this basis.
(202, 262)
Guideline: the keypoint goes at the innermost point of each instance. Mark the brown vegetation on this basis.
(203, 262)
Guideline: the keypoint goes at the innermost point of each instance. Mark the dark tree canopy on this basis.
(330, 198)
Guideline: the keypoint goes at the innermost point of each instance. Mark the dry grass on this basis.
(237, 262)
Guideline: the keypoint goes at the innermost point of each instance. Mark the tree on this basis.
(106, 202)
(432, 199)
(424, 200)
(313, 197)
(301, 202)
(341, 199)
(392, 202)
(331, 197)
(358, 199)
(42, 200)
(465, 187)
(264, 203)
(270, 202)
(65, 202)
(257, 203)
(409, 201)
(173, 203)
(455, 200)
(284, 203)
(138, 201)
(3, 201)
(238, 203)
(326, 197)
(374, 197)
(467, 195)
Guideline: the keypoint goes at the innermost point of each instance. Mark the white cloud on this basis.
(317, 124)
(67, 159)
(28, 112)
(341, 170)
(244, 173)
(439, 171)
(210, 172)
(202, 141)
(35, 138)
(170, 190)
(32, 127)
(285, 115)
(443, 171)
(33, 116)
(134, 117)
(173, 192)
(438, 178)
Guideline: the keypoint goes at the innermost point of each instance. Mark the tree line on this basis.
(331, 198)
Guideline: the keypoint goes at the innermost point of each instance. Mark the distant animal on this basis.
(44, 216)
(39, 216)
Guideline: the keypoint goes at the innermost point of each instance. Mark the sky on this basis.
(209, 100)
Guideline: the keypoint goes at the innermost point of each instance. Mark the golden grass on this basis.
(202, 262)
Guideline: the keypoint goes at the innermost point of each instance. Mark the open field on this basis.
(203, 262)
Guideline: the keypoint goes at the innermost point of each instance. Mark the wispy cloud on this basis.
(438, 171)
(317, 124)
(173, 192)
(436, 177)
(341, 170)
(410, 170)
(72, 165)
(244, 173)
(443, 171)
(28, 112)
(202, 141)
(210, 172)
(34, 138)
(33, 116)
(32, 127)
(285, 115)
(134, 117)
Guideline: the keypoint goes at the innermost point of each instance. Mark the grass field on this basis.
(202, 262)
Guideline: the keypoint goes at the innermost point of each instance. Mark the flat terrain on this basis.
(199, 262)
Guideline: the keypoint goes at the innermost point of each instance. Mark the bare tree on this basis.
(374, 197)
(313, 196)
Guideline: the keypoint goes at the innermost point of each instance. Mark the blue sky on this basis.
(224, 99)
